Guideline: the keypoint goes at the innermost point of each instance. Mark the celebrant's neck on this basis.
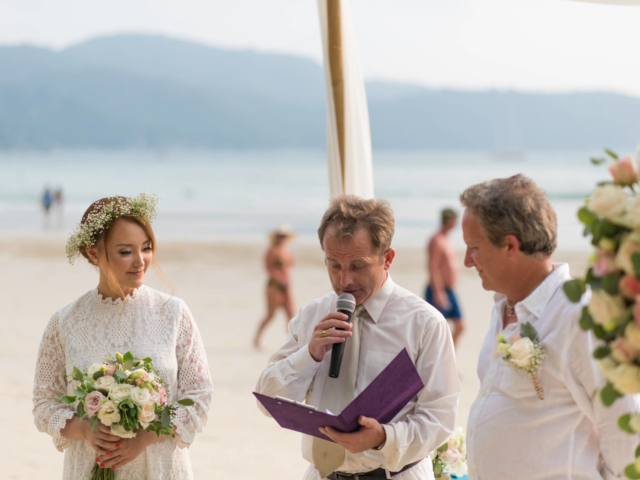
(107, 292)
(527, 278)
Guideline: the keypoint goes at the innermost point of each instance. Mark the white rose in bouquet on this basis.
(603, 307)
(121, 432)
(625, 378)
(632, 217)
(608, 201)
(632, 333)
(605, 365)
(120, 393)
(629, 245)
(140, 396)
(634, 422)
(104, 383)
(522, 352)
(109, 413)
(96, 367)
(147, 415)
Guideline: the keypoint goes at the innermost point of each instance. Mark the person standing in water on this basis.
(278, 263)
(443, 273)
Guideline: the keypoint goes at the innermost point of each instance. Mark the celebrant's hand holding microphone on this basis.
(333, 330)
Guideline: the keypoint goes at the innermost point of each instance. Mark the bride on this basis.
(121, 315)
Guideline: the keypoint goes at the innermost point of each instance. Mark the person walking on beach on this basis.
(355, 235)
(121, 315)
(443, 273)
(550, 426)
(47, 201)
(278, 262)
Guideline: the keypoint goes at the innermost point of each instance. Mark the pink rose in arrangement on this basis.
(624, 171)
(163, 396)
(514, 338)
(139, 381)
(111, 370)
(603, 266)
(629, 286)
(92, 402)
(452, 456)
(622, 351)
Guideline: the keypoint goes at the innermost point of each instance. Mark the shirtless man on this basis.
(443, 273)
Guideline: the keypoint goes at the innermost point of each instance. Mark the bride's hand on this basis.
(129, 449)
(102, 440)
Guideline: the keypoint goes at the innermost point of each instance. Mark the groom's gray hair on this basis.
(514, 206)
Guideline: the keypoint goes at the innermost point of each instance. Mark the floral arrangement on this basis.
(611, 217)
(125, 394)
(450, 460)
(142, 207)
(524, 352)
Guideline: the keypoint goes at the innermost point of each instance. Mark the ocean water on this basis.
(242, 195)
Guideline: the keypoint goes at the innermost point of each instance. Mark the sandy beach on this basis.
(223, 286)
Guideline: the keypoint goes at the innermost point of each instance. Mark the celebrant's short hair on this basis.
(347, 213)
(514, 206)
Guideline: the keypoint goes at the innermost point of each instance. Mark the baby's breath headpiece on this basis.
(142, 207)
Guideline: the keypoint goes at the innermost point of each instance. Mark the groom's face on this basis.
(490, 261)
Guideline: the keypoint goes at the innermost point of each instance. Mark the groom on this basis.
(509, 228)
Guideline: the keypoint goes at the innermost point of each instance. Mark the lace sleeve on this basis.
(194, 380)
(50, 384)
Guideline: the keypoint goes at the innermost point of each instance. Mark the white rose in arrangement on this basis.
(147, 414)
(632, 218)
(155, 398)
(634, 423)
(625, 378)
(522, 352)
(605, 365)
(629, 245)
(632, 332)
(109, 413)
(603, 307)
(104, 383)
(120, 393)
(608, 201)
(140, 396)
(121, 432)
(96, 367)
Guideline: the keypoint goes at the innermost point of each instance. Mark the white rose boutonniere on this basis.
(524, 352)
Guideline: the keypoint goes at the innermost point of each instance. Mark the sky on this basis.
(525, 45)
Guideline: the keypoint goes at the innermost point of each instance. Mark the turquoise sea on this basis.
(241, 195)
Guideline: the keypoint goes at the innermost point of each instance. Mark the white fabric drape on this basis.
(358, 170)
(613, 2)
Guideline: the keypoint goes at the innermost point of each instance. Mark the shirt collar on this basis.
(375, 304)
(539, 298)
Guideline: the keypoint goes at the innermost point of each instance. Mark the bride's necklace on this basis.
(511, 310)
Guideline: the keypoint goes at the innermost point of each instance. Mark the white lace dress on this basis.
(86, 331)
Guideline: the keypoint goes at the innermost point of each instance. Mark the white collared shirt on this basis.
(512, 434)
(399, 319)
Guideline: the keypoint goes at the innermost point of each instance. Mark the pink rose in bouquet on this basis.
(624, 171)
(622, 351)
(603, 266)
(629, 286)
(93, 402)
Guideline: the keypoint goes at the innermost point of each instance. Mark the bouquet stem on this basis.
(537, 385)
(102, 473)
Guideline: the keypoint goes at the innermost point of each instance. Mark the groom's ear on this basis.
(512, 245)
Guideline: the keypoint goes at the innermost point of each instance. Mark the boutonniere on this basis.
(524, 352)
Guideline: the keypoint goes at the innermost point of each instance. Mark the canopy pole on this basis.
(337, 75)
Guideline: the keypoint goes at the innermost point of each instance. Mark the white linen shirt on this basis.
(399, 319)
(512, 434)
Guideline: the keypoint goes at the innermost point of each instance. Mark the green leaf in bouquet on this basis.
(88, 387)
(80, 410)
(638, 452)
(68, 399)
(601, 352)
(165, 418)
(594, 282)
(597, 231)
(127, 356)
(437, 468)
(187, 402)
(574, 289)
(110, 361)
(120, 375)
(586, 216)
(527, 330)
(128, 364)
(443, 448)
(632, 472)
(611, 153)
(610, 283)
(635, 260)
(147, 360)
(586, 322)
(598, 160)
(93, 423)
(623, 423)
(609, 394)
(98, 374)
(599, 332)
(77, 374)
(138, 367)
(80, 393)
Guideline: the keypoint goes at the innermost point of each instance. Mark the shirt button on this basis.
(473, 471)
(470, 432)
(484, 393)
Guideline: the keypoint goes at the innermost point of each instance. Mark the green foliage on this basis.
(586, 216)
(623, 423)
(77, 374)
(528, 330)
(165, 418)
(631, 472)
(594, 282)
(610, 283)
(93, 423)
(128, 356)
(185, 402)
(635, 259)
(98, 374)
(638, 451)
(80, 410)
(599, 332)
(120, 375)
(609, 394)
(586, 322)
(598, 160)
(601, 352)
(574, 289)
(68, 399)
(611, 153)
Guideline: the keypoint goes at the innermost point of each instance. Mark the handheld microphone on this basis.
(346, 305)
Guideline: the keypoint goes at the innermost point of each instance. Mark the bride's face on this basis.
(130, 253)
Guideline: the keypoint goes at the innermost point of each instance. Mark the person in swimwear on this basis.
(278, 262)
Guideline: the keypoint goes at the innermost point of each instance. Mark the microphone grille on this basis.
(347, 302)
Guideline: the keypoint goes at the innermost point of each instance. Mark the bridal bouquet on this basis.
(125, 394)
(611, 217)
(450, 460)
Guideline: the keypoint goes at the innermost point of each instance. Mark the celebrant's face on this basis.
(490, 261)
(354, 266)
(130, 253)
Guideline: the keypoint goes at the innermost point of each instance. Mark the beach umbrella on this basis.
(348, 133)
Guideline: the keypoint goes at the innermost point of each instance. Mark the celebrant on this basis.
(121, 315)
(355, 235)
(536, 416)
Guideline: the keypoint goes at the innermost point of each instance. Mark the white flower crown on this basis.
(142, 207)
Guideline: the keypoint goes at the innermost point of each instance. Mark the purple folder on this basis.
(383, 398)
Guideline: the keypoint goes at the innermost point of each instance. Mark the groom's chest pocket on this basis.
(516, 383)
(372, 364)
